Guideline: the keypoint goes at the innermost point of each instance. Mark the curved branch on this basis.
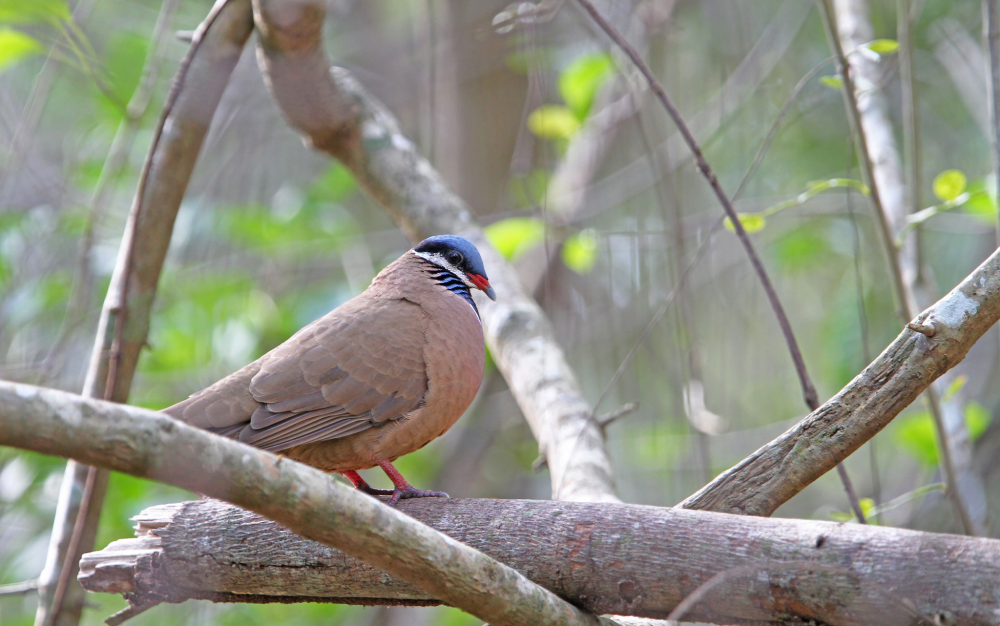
(906, 368)
(151, 445)
(124, 321)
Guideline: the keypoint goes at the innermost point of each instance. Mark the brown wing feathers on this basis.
(359, 366)
(368, 363)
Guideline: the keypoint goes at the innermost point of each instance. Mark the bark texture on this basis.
(769, 477)
(339, 117)
(151, 445)
(607, 558)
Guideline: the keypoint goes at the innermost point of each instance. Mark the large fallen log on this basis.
(606, 558)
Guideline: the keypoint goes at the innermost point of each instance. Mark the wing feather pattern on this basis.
(360, 366)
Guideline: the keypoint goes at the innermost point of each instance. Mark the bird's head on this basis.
(458, 256)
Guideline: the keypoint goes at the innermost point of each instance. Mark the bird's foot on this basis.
(372, 491)
(404, 493)
(362, 485)
(404, 490)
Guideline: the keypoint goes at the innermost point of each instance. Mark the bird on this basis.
(380, 376)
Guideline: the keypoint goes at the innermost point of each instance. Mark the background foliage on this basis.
(271, 236)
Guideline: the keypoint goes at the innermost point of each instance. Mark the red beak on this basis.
(483, 285)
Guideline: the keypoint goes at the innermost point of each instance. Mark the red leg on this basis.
(362, 485)
(404, 489)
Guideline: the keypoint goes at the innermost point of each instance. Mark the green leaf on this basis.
(949, 185)
(883, 46)
(580, 251)
(33, 11)
(553, 122)
(834, 82)
(867, 507)
(514, 236)
(752, 222)
(334, 185)
(955, 386)
(982, 202)
(916, 436)
(580, 81)
(977, 419)
(15, 46)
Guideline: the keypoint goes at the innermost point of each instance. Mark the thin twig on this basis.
(659, 313)
(113, 164)
(541, 460)
(991, 26)
(903, 294)
(19, 589)
(808, 390)
(132, 610)
(115, 387)
(904, 370)
(991, 17)
(773, 131)
(691, 366)
(603, 421)
(863, 327)
(911, 136)
(32, 111)
(74, 547)
(895, 272)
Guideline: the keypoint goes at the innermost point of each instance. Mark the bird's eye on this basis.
(454, 257)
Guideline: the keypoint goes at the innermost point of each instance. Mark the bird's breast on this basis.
(453, 357)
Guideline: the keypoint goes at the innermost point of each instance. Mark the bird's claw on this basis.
(405, 493)
(372, 491)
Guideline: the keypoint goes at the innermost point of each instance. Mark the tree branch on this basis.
(151, 445)
(124, 321)
(848, 28)
(808, 389)
(339, 117)
(589, 553)
(896, 378)
(991, 32)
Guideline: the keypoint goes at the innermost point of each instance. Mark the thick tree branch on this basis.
(785, 466)
(629, 559)
(124, 322)
(151, 445)
(339, 117)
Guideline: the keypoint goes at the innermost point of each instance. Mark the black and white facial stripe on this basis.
(452, 278)
(455, 263)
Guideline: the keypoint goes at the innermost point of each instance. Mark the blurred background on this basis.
(559, 148)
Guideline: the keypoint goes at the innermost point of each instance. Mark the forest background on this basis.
(272, 235)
